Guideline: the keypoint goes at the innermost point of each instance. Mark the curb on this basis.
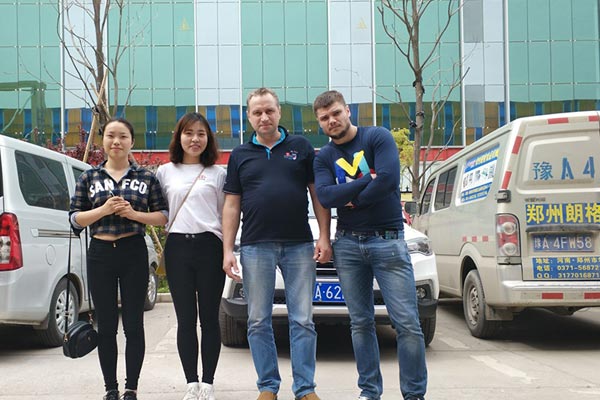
(164, 298)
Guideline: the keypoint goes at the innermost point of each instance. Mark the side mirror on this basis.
(411, 207)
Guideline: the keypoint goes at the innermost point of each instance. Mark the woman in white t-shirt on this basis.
(194, 250)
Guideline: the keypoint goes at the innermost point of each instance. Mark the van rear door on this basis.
(557, 193)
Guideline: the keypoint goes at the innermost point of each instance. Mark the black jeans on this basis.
(194, 265)
(112, 264)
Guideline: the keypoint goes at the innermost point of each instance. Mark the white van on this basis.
(36, 185)
(514, 219)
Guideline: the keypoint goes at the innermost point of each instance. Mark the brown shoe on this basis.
(267, 396)
(310, 396)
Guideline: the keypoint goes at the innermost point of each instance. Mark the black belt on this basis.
(386, 234)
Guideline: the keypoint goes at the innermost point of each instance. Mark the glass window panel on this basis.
(317, 15)
(229, 32)
(538, 23)
(141, 96)
(28, 24)
(449, 57)
(124, 70)
(588, 91)
(361, 65)
(341, 24)
(273, 31)
(587, 64)
(494, 93)
(207, 24)
(494, 23)
(142, 78)
(273, 70)
(317, 65)
(562, 62)
(229, 67)
(474, 62)
(162, 24)
(474, 99)
(295, 66)
(52, 97)
(295, 23)
(184, 97)
(540, 92)
(48, 23)
(163, 97)
(10, 64)
(183, 16)
(360, 22)
(139, 14)
(539, 66)
(519, 93)
(208, 67)
(184, 66)
(561, 20)
(562, 92)
(8, 24)
(251, 23)
(341, 55)
(162, 67)
(517, 20)
(29, 63)
(229, 96)
(314, 91)
(208, 97)
(361, 94)
(50, 73)
(519, 63)
(494, 63)
(385, 63)
(252, 66)
(585, 19)
(296, 96)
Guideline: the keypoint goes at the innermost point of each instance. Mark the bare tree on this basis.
(88, 54)
(401, 20)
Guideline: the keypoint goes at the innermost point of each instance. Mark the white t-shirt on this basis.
(203, 208)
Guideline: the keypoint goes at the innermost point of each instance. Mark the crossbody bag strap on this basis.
(186, 196)
(68, 286)
(90, 315)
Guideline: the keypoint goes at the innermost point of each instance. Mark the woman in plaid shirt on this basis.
(117, 200)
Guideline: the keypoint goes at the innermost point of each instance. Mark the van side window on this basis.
(42, 181)
(445, 189)
(426, 200)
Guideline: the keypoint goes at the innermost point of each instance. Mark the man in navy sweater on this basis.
(267, 181)
(359, 173)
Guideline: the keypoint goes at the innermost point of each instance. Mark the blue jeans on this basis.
(295, 261)
(358, 259)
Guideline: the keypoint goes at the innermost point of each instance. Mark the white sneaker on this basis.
(207, 392)
(193, 391)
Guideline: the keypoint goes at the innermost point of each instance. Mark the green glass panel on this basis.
(184, 67)
(449, 62)
(184, 97)
(8, 25)
(124, 70)
(50, 73)
(183, 17)
(585, 19)
(29, 64)
(517, 20)
(295, 66)
(162, 26)
(589, 91)
(560, 20)
(562, 92)
(538, 23)
(48, 24)
(540, 92)
(251, 23)
(314, 91)
(519, 61)
(252, 67)
(28, 24)
(296, 96)
(273, 31)
(385, 64)
(295, 23)
(162, 68)
(539, 62)
(273, 70)
(141, 97)
(316, 12)
(138, 26)
(562, 62)
(429, 24)
(9, 62)
(142, 68)
(587, 65)
(317, 65)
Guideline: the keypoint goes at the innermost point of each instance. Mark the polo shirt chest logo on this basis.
(291, 155)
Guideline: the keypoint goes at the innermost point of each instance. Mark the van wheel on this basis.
(428, 328)
(53, 335)
(233, 332)
(474, 308)
(152, 293)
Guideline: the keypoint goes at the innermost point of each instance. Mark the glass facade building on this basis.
(519, 58)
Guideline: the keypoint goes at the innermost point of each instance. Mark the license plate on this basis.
(553, 242)
(328, 292)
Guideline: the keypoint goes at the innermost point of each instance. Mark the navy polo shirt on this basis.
(272, 184)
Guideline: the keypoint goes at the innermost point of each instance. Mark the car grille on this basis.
(326, 269)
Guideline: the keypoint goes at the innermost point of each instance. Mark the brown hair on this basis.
(262, 92)
(209, 156)
(326, 99)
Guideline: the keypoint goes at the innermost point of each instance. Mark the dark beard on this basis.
(340, 135)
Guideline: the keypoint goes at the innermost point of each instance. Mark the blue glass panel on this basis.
(539, 108)
(385, 116)
(297, 118)
(449, 124)
(235, 121)
(86, 119)
(211, 117)
(478, 133)
(180, 111)
(354, 113)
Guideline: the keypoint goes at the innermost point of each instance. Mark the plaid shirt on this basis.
(138, 186)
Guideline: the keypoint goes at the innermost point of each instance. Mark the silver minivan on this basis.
(36, 185)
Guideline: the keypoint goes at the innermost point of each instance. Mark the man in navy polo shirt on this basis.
(267, 181)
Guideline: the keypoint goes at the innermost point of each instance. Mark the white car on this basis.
(328, 302)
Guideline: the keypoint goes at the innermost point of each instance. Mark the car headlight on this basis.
(419, 245)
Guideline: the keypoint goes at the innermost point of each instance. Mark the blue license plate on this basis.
(328, 292)
(554, 242)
